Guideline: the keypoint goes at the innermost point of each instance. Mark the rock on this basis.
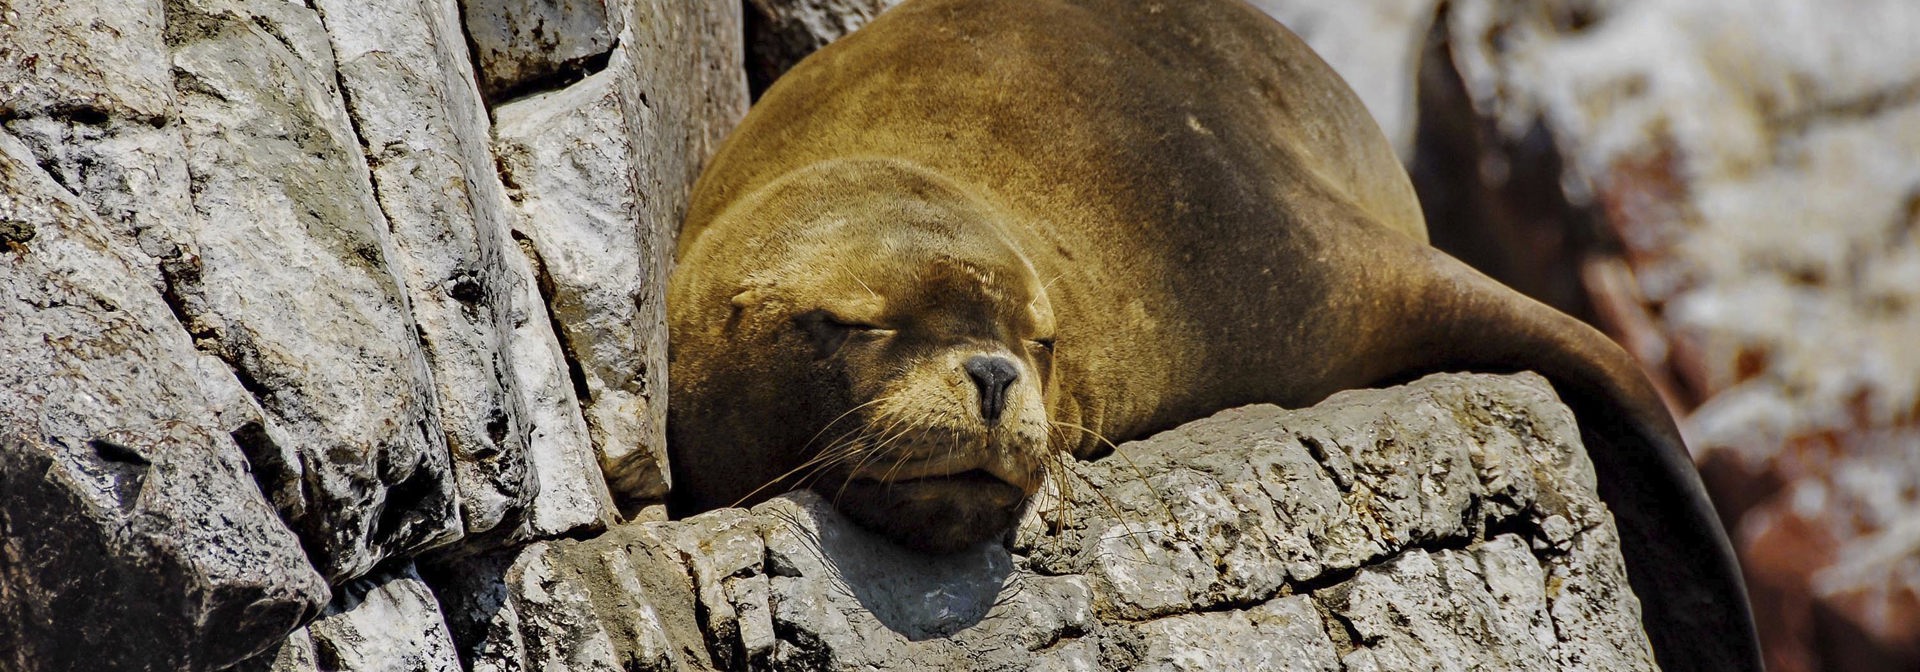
(516, 611)
(1284, 634)
(58, 58)
(1754, 166)
(572, 497)
(781, 32)
(384, 621)
(1255, 539)
(569, 156)
(601, 172)
(387, 620)
(411, 99)
(525, 46)
(355, 458)
(131, 535)
(294, 654)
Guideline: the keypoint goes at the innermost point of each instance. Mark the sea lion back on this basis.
(1194, 102)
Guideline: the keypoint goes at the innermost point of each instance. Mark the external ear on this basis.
(740, 303)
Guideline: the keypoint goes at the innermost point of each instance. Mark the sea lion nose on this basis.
(991, 375)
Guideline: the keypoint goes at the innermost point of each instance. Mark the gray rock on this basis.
(1448, 524)
(519, 610)
(293, 279)
(602, 269)
(384, 621)
(410, 95)
(600, 174)
(388, 620)
(781, 32)
(688, 102)
(84, 59)
(519, 46)
(131, 535)
(1284, 634)
(572, 497)
(294, 654)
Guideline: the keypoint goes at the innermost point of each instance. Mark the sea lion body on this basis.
(1143, 213)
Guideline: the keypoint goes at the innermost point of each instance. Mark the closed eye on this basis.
(829, 332)
(855, 325)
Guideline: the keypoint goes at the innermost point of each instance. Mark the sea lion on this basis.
(977, 233)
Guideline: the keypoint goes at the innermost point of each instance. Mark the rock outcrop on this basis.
(1451, 522)
(331, 338)
(1731, 189)
(271, 324)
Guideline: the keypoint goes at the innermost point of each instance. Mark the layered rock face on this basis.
(331, 339)
(1450, 523)
(279, 310)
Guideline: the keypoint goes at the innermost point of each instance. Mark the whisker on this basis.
(818, 462)
(1173, 522)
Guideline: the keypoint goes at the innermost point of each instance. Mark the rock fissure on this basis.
(544, 282)
(568, 73)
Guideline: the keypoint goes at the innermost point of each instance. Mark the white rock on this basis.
(385, 621)
(600, 173)
(294, 284)
(411, 98)
(131, 534)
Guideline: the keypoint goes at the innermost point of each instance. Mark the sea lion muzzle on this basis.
(991, 375)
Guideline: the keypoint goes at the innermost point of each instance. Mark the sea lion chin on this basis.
(978, 235)
(935, 514)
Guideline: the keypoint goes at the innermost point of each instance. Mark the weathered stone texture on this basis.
(131, 535)
(520, 45)
(1450, 523)
(572, 497)
(568, 156)
(387, 620)
(292, 267)
(600, 173)
(410, 95)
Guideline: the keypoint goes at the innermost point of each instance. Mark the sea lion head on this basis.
(867, 330)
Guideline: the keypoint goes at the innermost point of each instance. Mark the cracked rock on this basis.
(131, 534)
(411, 99)
(520, 45)
(1447, 524)
(387, 620)
(312, 277)
(600, 174)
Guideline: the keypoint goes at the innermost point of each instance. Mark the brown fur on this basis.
(1182, 198)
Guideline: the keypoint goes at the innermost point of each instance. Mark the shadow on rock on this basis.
(919, 596)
